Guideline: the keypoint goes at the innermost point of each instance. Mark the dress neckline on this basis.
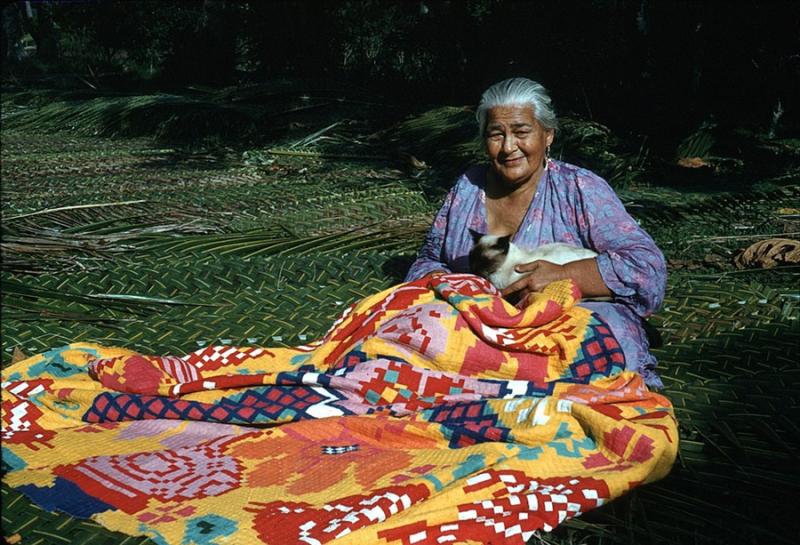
(484, 213)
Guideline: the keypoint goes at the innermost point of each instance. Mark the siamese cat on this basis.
(494, 257)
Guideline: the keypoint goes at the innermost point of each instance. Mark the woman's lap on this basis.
(627, 328)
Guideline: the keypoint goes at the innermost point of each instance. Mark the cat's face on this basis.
(488, 253)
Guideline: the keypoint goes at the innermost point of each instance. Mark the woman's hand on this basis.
(583, 272)
(539, 274)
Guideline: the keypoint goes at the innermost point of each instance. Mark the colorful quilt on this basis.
(432, 412)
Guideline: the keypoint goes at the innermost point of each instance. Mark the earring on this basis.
(546, 156)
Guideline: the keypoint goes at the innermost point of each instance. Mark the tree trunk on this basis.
(12, 34)
(44, 33)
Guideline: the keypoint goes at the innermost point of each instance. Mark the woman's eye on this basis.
(522, 134)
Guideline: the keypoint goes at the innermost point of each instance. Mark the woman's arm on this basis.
(629, 262)
(430, 255)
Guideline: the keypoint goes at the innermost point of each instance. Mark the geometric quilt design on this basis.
(431, 412)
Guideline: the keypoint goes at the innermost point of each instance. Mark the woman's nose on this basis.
(509, 143)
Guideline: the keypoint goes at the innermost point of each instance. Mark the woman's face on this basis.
(516, 143)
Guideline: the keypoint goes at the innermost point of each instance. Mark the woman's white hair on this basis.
(518, 92)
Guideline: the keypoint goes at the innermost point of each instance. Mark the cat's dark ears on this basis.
(502, 242)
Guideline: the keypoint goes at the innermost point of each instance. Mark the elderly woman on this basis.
(538, 200)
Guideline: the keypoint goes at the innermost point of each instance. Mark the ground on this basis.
(140, 242)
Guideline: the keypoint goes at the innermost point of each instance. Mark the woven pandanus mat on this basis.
(22, 144)
(302, 194)
(730, 366)
(26, 524)
(720, 208)
(190, 303)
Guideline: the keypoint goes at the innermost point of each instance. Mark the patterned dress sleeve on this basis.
(630, 263)
(430, 256)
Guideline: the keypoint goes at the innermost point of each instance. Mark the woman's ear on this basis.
(550, 136)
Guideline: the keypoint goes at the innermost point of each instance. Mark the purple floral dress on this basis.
(575, 206)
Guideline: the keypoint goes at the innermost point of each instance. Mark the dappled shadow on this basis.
(396, 267)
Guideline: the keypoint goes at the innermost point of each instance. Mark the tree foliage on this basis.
(626, 63)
